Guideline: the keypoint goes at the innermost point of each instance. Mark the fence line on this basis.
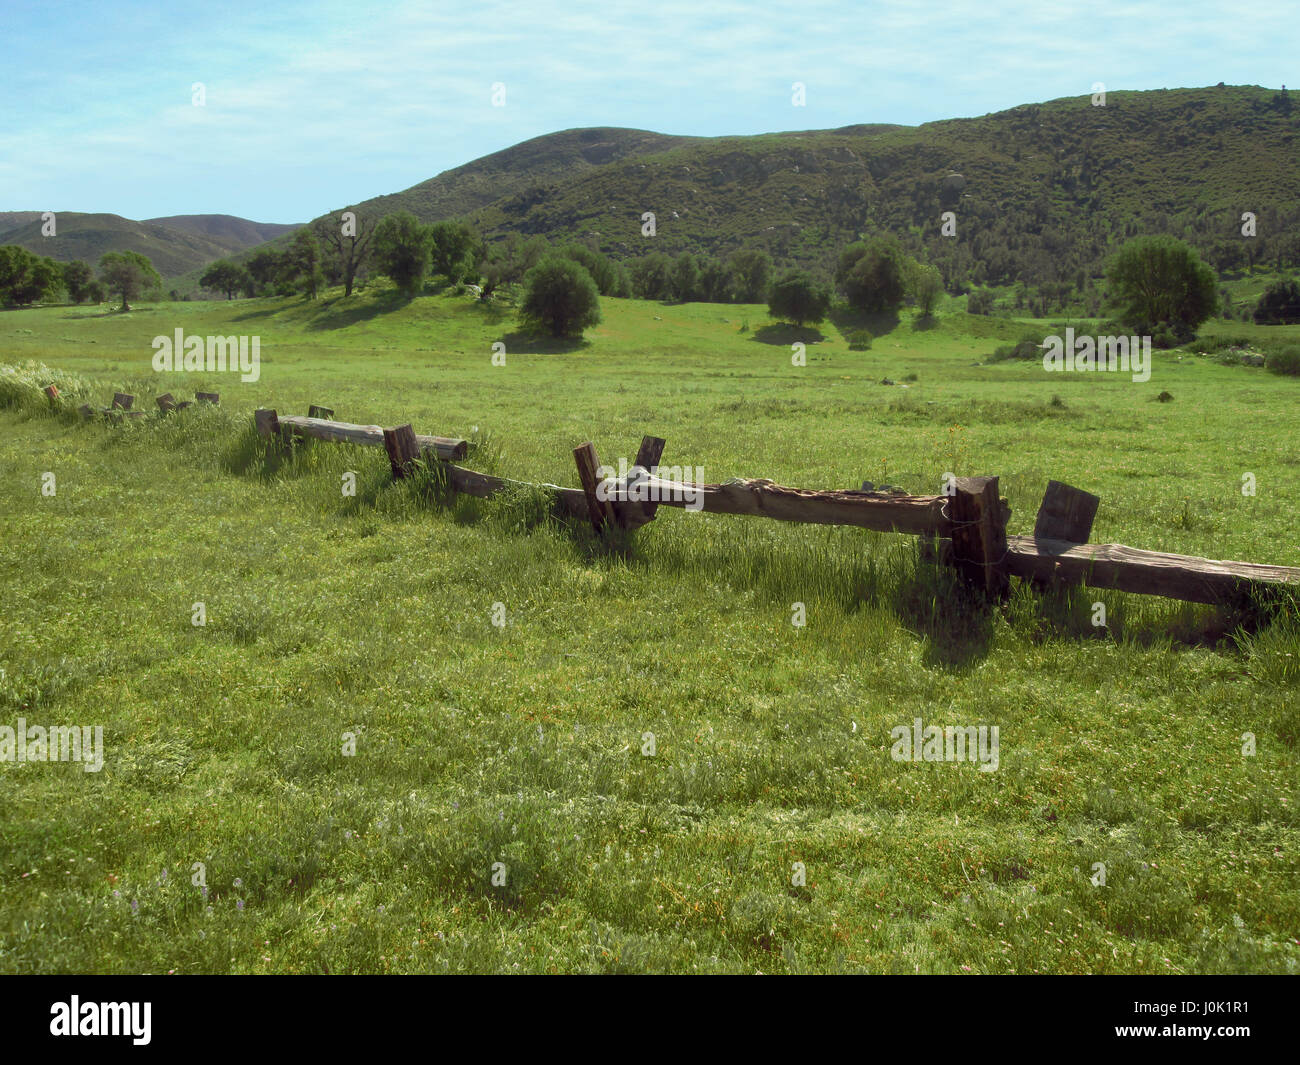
(965, 529)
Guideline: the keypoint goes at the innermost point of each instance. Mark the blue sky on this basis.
(311, 106)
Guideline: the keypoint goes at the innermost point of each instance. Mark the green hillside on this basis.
(174, 245)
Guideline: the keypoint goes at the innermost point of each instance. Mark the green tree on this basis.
(345, 245)
(685, 277)
(560, 297)
(303, 264)
(26, 278)
(872, 274)
(797, 297)
(225, 276)
(652, 276)
(265, 267)
(752, 270)
(455, 250)
(716, 281)
(77, 276)
(602, 270)
(926, 286)
(1159, 280)
(402, 247)
(128, 274)
(1279, 305)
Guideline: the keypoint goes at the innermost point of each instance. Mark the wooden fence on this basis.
(965, 528)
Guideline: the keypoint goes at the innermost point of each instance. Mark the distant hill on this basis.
(174, 245)
(1041, 192)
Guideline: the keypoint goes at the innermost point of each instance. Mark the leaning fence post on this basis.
(601, 511)
(320, 412)
(647, 457)
(1066, 513)
(166, 402)
(979, 534)
(208, 397)
(267, 422)
(122, 400)
(403, 449)
(52, 393)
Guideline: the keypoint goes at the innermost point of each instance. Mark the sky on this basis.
(307, 107)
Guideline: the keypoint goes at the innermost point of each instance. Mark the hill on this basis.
(174, 245)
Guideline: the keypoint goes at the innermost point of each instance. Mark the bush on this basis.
(860, 340)
(1285, 361)
(798, 298)
(560, 297)
(1025, 348)
(1280, 304)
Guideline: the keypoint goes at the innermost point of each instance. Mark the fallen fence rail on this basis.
(965, 527)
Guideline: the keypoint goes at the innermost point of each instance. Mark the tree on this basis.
(26, 278)
(265, 267)
(872, 274)
(345, 244)
(127, 274)
(1279, 305)
(980, 301)
(715, 281)
(603, 271)
(302, 261)
(1159, 280)
(685, 277)
(752, 270)
(455, 250)
(652, 276)
(560, 297)
(796, 297)
(77, 276)
(225, 276)
(402, 247)
(508, 261)
(926, 286)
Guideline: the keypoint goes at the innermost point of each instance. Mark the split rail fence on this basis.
(965, 529)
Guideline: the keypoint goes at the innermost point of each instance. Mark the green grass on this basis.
(372, 615)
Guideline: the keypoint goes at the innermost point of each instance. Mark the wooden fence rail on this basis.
(966, 528)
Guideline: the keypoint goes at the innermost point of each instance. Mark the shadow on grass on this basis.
(957, 623)
(784, 333)
(848, 320)
(521, 342)
(925, 322)
(361, 311)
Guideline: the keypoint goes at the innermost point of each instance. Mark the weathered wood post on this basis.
(166, 402)
(979, 534)
(403, 449)
(267, 423)
(1066, 513)
(647, 457)
(51, 393)
(320, 412)
(122, 400)
(588, 462)
(208, 397)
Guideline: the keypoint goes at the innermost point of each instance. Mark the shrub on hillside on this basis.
(560, 298)
(1285, 361)
(1029, 347)
(799, 298)
(860, 340)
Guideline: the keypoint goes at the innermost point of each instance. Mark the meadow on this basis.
(525, 744)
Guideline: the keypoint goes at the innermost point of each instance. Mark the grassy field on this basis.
(523, 745)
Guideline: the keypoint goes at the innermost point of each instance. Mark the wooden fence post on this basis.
(51, 392)
(979, 534)
(320, 412)
(1066, 513)
(588, 462)
(647, 457)
(267, 422)
(166, 402)
(403, 449)
(208, 397)
(122, 400)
